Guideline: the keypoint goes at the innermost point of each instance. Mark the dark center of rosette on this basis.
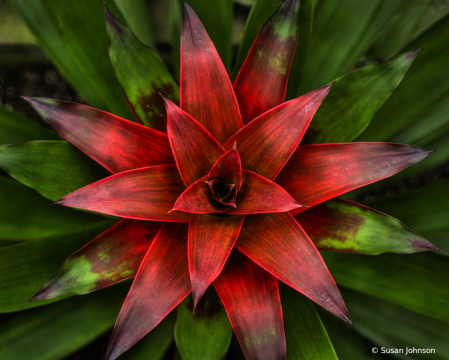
(222, 192)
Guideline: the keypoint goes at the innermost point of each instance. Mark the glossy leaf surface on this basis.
(52, 168)
(211, 239)
(17, 128)
(279, 244)
(142, 194)
(161, 283)
(206, 334)
(100, 134)
(250, 296)
(194, 148)
(206, 91)
(261, 83)
(112, 256)
(305, 334)
(60, 329)
(395, 278)
(142, 75)
(342, 225)
(316, 173)
(355, 98)
(76, 24)
(26, 215)
(228, 168)
(266, 144)
(18, 275)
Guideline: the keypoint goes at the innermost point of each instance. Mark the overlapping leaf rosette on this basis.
(215, 190)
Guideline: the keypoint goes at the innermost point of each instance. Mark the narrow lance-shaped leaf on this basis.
(206, 333)
(52, 168)
(206, 91)
(82, 29)
(141, 194)
(316, 173)
(19, 279)
(266, 144)
(100, 134)
(211, 239)
(228, 168)
(250, 296)
(355, 98)
(194, 148)
(161, 283)
(342, 225)
(279, 244)
(141, 73)
(112, 256)
(262, 81)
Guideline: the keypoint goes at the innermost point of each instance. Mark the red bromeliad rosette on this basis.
(223, 198)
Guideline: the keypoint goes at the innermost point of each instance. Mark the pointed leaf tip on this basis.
(412, 54)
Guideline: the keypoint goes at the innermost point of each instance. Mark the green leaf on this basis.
(26, 215)
(393, 326)
(56, 331)
(354, 99)
(48, 38)
(136, 14)
(142, 75)
(424, 87)
(305, 21)
(82, 28)
(426, 208)
(305, 334)
(337, 27)
(5, 243)
(52, 168)
(26, 266)
(413, 281)
(205, 334)
(216, 17)
(175, 34)
(16, 128)
(155, 344)
(341, 225)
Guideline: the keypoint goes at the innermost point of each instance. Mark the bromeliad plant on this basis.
(218, 191)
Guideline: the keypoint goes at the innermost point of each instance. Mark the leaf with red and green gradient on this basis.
(250, 296)
(342, 225)
(52, 168)
(279, 244)
(316, 173)
(259, 195)
(266, 144)
(205, 334)
(115, 143)
(141, 73)
(262, 81)
(141, 194)
(161, 283)
(206, 91)
(112, 256)
(211, 239)
(228, 168)
(194, 148)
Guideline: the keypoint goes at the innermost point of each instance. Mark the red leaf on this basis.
(113, 142)
(206, 91)
(259, 195)
(142, 194)
(250, 296)
(113, 256)
(161, 283)
(278, 244)
(228, 168)
(195, 149)
(262, 81)
(211, 239)
(316, 173)
(267, 142)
